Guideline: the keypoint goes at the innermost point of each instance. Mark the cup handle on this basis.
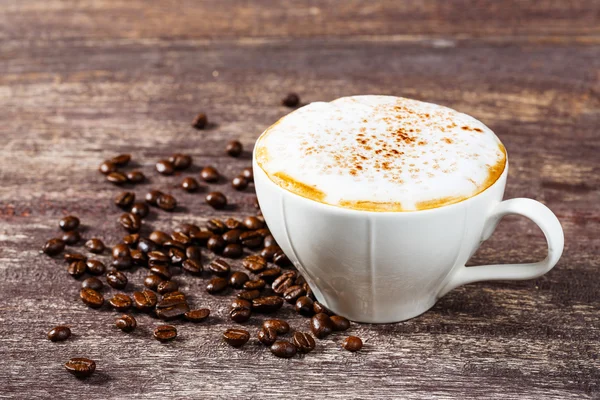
(536, 212)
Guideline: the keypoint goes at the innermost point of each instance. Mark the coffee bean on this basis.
(131, 222)
(181, 238)
(135, 176)
(139, 258)
(121, 250)
(74, 256)
(59, 333)
(122, 263)
(283, 282)
(267, 304)
(299, 280)
(216, 200)
(95, 246)
(166, 202)
(339, 323)
(251, 239)
(157, 257)
(171, 313)
(233, 250)
(126, 323)
(234, 148)
(165, 167)
(233, 224)
(167, 287)
(116, 279)
(161, 270)
(92, 283)
(232, 236)
(216, 244)
(180, 161)
(219, 267)
(91, 297)
(107, 167)
(187, 229)
(237, 279)
(293, 293)
(263, 232)
(283, 349)
(304, 342)
(267, 336)
(177, 256)
(253, 223)
(291, 100)
(121, 302)
(240, 315)
(192, 266)
(121, 160)
(280, 326)
(140, 209)
(352, 343)
(69, 223)
(152, 197)
(239, 183)
(146, 245)
(248, 174)
(131, 240)
(320, 308)
(269, 274)
(209, 174)
(200, 238)
(216, 285)
(189, 184)
(304, 306)
(279, 258)
(257, 284)
(145, 300)
(216, 226)
(76, 269)
(200, 121)
(71, 237)
(95, 267)
(165, 333)
(269, 241)
(236, 337)
(171, 299)
(193, 253)
(117, 178)
(80, 367)
(197, 315)
(53, 247)
(124, 200)
(159, 237)
(321, 325)
(268, 252)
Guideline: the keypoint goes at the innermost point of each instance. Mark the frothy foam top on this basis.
(381, 153)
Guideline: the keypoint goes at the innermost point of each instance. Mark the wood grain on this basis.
(82, 81)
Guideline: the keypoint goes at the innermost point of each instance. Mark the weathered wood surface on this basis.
(83, 80)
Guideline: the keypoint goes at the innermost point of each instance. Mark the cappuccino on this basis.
(381, 153)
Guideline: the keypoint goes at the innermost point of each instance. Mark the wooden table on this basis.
(81, 81)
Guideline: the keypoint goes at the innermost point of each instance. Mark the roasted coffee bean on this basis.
(165, 167)
(140, 209)
(352, 343)
(280, 326)
(251, 239)
(267, 304)
(248, 174)
(232, 224)
(174, 312)
(269, 274)
(135, 176)
(91, 297)
(267, 336)
(216, 285)
(269, 241)
(263, 232)
(171, 299)
(253, 223)
(216, 226)
(121, 160)
(234, 148)
(237, 279)
(219, 267)
(80, 367)
(187, 229)
(197, 315)
(283, 282)
(121, 250)
(152, 197)
(117, 178)
(200, 238)
(158, 257)
(192, 266)
(209, 174)
(279, 258)
(131, 240)
(165, 333)
(95, 246)
(76, 269)
(232, 236)
(300, 280)
(124, 200)
(339, 323)
(121, 302)
(193, 253)
(254, 263)
(166, 202)
(71, 237)
(200, 121)
(54, 247)
(241, 303)
(216, 200)
(95, 267)
(236, 337)
(239, 183)
(74, 256)
(304, 342)
(116, 279)
(139, 258)
(161, 270)
(69, 223)
(159, 237)
(59, 333)
(293, 293)
(122, 263)
(268, 252)
(291, 100)
(233, 250)
(92, 283)
(146, 245)
(216, 244)
(257, 284)
(126, 323)
(176, 255)
(283, 349)
(321, 325)
(189, 184)
(107, 167)
(130, 222)
(180, 161)
(167, 287)
(320, 308)
(145, 300)
(304, 306)
(240, 315)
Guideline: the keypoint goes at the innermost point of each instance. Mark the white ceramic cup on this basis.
(391, 266)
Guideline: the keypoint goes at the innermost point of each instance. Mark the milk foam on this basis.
(381, 153)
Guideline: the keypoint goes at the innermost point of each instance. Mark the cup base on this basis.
(400, 314)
